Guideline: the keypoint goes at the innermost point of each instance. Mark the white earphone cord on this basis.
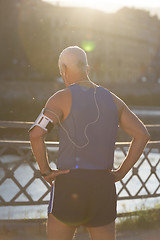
(85, 130)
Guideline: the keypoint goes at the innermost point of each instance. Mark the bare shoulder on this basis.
(122, 107)
(58, 98)
(59, 103)
(128, 121)
(118, 101)
(119, 104)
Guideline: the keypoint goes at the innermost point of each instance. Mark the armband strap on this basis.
(43, 122)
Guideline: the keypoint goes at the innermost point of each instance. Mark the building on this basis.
(123, 46)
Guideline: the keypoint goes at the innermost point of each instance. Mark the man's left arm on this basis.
(37, 139)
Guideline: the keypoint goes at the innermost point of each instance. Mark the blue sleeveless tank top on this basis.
(99, 153)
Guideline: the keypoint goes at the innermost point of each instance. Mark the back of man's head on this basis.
(74, 58)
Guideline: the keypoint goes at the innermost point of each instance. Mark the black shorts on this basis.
(84, 197)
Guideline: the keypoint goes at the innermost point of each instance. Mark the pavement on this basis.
(82, 234)
(153, 234)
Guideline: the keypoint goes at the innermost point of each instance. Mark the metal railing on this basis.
(143, 180)
(22, 184)
(20, 175)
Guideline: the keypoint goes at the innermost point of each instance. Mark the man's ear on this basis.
(64, 68)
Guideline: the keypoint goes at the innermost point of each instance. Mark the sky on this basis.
(110, 5)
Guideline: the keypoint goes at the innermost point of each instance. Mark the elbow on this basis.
(146, 136)
(34, 136)
(143, 137)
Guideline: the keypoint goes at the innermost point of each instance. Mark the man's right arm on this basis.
(133, 126)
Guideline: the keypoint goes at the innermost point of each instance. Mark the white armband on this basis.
(43, 122)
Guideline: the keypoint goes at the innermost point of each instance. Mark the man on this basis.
(88, 116)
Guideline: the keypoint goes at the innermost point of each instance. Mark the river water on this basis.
(147, 113)
(8, 189)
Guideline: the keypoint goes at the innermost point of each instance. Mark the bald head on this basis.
(73, 58)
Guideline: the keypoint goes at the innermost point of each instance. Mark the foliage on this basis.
(145, 219)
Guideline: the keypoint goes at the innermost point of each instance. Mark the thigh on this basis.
(106, 232)
(56, 230)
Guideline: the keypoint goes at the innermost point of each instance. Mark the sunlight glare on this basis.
(88, 46)
(107, 5)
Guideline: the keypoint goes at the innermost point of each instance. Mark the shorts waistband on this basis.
(87, 172)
